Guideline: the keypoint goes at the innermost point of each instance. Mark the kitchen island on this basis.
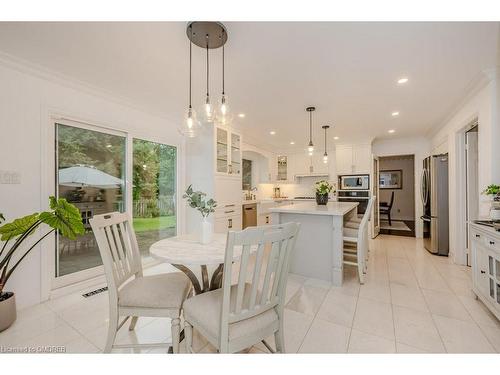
(319, 248)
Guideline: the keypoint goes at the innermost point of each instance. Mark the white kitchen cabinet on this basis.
(213, 165)
(486, 266)
(227, 152)
(353, 159)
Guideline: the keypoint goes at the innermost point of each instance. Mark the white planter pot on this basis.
(206, 231)
(495, 214)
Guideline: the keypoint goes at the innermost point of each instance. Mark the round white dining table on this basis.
(185, 252)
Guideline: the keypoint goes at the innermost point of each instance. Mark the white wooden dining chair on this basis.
(130, 293)
(356, 243)
(238, 316)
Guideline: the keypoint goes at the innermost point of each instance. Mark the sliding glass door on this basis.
(154, 192)
(90, 168)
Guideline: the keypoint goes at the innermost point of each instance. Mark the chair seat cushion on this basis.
(205, 310)
(164, 291)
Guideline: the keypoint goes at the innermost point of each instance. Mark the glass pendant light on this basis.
(208, 110)
(310, 146)
(191, 124)
(325, 155)
(224, 114)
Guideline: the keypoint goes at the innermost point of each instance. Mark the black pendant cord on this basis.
(310, 127)
(208, 69)
(325, 140)
(223, 72)
(190, 64)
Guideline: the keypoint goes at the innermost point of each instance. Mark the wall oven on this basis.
(354, 182)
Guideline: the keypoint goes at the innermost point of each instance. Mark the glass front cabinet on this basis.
(228, 152)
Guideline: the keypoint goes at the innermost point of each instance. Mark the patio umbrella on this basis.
(87, 176)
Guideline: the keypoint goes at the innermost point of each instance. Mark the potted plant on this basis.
(63, 217)
(493, 191)
(197, 199)
(323, 188)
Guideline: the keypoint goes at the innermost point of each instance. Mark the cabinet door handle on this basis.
(483, 271)
(492, 242)
(267, 219)
(478, 236)
(229, 205)
(230, 223)
(228, 212)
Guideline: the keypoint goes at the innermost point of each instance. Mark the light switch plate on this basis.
(10, 177)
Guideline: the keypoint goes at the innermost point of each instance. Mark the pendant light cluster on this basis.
(310, 145)
(207, 35)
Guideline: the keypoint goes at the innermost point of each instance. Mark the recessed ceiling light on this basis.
(292, 142)
(395, 114)
(391, 131)
(272, 132)
(241, 115)
(335, 137)
(402, 80)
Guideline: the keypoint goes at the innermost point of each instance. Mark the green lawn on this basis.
(154, 223)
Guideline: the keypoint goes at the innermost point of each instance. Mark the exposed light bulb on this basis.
(310, 153)
(310, 149)
(325, 158)
(191, 124)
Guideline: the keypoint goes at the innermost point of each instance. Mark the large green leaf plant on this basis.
(62, 217)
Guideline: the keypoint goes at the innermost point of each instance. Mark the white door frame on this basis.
(375, 220)
(461, 228)
(50, 285)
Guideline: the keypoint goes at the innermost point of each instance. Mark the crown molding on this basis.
(475, 86)
(38, 71)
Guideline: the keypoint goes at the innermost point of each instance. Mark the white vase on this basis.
(206, 231)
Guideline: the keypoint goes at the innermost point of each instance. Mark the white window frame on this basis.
(52, 286)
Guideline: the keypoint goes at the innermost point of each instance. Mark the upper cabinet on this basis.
(228, 152)
(353, 159)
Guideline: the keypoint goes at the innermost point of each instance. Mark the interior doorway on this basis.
(397, 195)
(471, 182)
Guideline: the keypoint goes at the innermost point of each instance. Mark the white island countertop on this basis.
(311, 208)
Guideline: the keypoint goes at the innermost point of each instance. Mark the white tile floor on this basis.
(412, 302)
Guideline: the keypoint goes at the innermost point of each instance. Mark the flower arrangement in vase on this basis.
(493, 191)
(197, 200)
(323, 188)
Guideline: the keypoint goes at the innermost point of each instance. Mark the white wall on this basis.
(481, 105)
(27, 100)
(419, 147)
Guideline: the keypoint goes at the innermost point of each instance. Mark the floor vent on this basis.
(94, 292)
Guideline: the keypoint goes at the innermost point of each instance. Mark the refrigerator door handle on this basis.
(426, 187)
(422, 187)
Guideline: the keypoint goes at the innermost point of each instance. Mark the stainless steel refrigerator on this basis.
(434, 194)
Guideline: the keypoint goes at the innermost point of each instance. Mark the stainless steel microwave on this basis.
(354, 182)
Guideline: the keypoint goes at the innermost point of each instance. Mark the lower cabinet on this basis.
(227, 223)
(486, 267)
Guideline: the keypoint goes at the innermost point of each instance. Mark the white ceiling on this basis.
(274, 70)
